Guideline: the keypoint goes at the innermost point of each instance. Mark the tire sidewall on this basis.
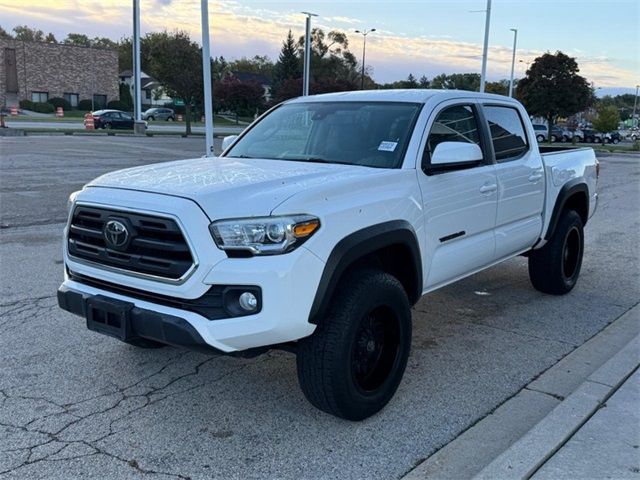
(396, 301)
(572, 222)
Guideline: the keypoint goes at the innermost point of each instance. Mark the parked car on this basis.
(567, 135)
(590, 136)
(112, 119)
(320, 226)
(542, 131)
(613, 137)
(159, 114)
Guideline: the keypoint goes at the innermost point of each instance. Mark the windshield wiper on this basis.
(323, 160)
(239, 156)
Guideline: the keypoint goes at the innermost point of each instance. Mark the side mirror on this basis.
(227, 141)
(456, 152)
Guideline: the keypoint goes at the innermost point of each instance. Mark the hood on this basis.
(231, 187)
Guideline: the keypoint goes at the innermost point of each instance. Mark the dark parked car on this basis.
(557, 134)
(112, 119)
(590, 136)
(159, 114)
(613, 137)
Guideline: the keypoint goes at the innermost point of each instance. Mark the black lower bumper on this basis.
(125, 321)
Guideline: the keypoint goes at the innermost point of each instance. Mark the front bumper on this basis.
(142, 323)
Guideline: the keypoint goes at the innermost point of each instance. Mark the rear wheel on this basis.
(555, 267)
(540, 138)
(353, 363)
(151, 118)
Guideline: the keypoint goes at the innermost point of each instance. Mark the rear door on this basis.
(459, 200)
(520, 175)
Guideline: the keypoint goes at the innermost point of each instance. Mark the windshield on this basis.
(356, 133)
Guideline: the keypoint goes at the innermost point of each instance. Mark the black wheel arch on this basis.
(574, 195)
(393, 246)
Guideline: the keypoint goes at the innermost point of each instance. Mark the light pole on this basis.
(513, 60)
(206, 77)
(137, 106)
(633, 115)
(485, 48)
(364, 34)
(307, 54)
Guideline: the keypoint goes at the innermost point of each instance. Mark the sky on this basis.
(423, 37)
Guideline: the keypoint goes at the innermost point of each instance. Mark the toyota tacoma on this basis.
(319, 227)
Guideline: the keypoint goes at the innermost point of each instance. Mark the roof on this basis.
(400, 95)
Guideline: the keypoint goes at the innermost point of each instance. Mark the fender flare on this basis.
(572, 187)
(356, 246)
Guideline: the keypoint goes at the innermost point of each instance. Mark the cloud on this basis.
(238, 29)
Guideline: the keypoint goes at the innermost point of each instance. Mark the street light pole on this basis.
(136, 62)
(206, 77)
(307, 54)
(513, 60)
(485, 48)
(633, 115)
(364, 34)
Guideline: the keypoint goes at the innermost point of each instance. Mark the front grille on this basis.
(154, 245)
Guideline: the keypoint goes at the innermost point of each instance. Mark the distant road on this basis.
(154, 127)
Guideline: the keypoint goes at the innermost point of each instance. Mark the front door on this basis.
(459, 201)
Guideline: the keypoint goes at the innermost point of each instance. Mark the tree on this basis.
(243, 98)
(79, 39)
(553, 88)
(125, 95)
(176, 62)
(50, 38)
(501, 87)
(424, 82)
(4, 33)
(288, 65)
(607, 119)
(27, 34)
(331, 58)
(259, 64)
(411, 82)
(103, 42)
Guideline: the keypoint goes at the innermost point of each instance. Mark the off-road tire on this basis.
(555, 267)
(353, 363)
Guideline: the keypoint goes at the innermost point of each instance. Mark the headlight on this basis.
(71, 200)
(264, 235)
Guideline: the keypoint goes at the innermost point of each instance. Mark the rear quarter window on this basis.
(507, 132)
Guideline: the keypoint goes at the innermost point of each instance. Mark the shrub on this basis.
(118, 105)
(85, 105)
(26, 104)
(60, 102)
(43, 107)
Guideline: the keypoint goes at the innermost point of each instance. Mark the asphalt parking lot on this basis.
(77, 404)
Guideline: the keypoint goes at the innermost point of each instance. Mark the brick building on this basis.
(39, 71)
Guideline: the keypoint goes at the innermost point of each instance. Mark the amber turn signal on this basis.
(305, 229)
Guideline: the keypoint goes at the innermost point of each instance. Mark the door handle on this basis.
(534, 177)
(488, 188)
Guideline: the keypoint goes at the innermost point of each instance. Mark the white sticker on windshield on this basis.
(387, 146)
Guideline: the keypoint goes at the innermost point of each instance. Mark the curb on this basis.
(528, 454)
(511, 441)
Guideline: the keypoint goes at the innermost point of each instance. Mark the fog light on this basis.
(248, 301)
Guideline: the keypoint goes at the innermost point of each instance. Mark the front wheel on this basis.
(540, 138)
(353, 363)
(555, 267)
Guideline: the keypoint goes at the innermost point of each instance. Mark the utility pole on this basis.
(307, 54)
(364, 34)
(513, 60)
(206, 77)
(633, 115)
(483, 74)
(137, 98)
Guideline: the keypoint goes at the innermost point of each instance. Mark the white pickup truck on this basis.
(320, 226)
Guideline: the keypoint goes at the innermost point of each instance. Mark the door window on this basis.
(507, 132)
(457, 123)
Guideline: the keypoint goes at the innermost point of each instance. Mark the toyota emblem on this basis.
(115, 234)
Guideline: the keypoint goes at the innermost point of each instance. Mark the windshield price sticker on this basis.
(387, 146)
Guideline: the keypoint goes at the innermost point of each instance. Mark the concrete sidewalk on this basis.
(579, 419)
(607, 446)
